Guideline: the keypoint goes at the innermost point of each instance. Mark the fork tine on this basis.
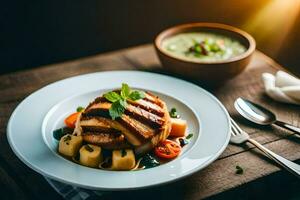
(235, 125)
(234, 130)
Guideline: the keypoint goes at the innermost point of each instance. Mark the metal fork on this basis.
(238, 136)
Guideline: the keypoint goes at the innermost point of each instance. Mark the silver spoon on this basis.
(260, 115)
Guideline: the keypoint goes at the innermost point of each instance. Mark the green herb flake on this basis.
(119, 101)
(80, 109)
(67, 138)
(123, 152)
(173, 113)
(88, 148)
(189, 136)
(239, 170)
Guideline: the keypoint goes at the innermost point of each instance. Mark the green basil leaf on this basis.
(117, 109)
(79, 109)
(123, 103)
(136, 95)
(125, 91)
(112, 96)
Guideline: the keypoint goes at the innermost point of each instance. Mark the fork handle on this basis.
(285, 163)
(288, 126)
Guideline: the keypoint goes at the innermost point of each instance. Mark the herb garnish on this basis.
(79, 109)
(183, 142)
(67, 138)
(189, 136)
(88, 148)
(173, 113)
(123, 152)
(239, 170)
(204, 47)
(148, 161)
(119, 101)
(59, 133)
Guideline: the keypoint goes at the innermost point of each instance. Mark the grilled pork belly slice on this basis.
(113, 140)
(144, 123)
(136, 112)
(101, 121)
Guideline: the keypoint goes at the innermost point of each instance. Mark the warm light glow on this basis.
(273, 22)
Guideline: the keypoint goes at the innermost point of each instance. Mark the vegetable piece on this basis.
(121, 161)
(117, 109)
(69, 145)
(59, 133)
(239, 170)
(70, 121)
(80, 109)
(178, 127)
(90, 155)
(149, 161)
(136, 95)
(112, 96)
(167, 149)
(119, 102)
(182, 142)
(189, 136)
(173, 113)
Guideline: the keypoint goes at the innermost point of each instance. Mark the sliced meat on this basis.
(102, 109)
(144, 116)
(144, 123)
(141, 130)
(148, 106)
(154, 99)
(106, 140)
(100, 121)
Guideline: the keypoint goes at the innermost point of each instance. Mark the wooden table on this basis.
(218, 181)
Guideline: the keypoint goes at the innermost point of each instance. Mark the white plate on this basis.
(30, 129)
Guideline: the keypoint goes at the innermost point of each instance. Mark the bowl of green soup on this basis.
(207, 52)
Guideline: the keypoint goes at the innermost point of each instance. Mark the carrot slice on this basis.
(70, 121)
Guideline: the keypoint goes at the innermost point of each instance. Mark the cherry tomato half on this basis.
(167, 149)
(70, 121)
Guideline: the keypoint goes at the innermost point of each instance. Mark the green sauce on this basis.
(202, 47)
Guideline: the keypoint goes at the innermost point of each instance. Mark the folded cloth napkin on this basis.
(70, 192)
(282, 87)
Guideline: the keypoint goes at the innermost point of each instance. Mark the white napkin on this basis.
(282, 87)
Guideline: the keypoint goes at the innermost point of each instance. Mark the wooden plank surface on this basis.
(217, 178)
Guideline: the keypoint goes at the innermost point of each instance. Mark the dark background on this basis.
(37, 32)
